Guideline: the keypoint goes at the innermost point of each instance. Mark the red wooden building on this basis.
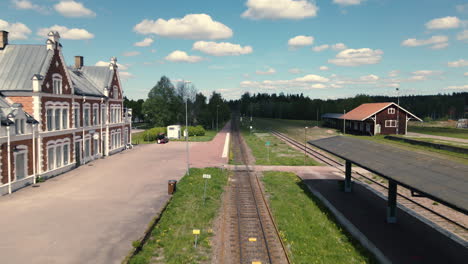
(373, 118)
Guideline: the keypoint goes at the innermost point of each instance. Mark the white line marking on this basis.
(226, 146)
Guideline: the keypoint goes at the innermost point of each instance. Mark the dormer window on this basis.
(115, 92)
(391, 111)
(19, 126)
(57, 84)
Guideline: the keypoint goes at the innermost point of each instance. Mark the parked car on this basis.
(162, 139)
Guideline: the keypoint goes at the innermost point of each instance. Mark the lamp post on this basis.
(217, 107)
(186, 129)
(398, 110)
(305, 144)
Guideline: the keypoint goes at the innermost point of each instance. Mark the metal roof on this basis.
(81, 84)
(332, 115)
(442, 180)
(365, 111)
(100, 76)
(18, 64)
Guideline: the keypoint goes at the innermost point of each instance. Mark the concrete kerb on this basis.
(351, 228)
(142, 241)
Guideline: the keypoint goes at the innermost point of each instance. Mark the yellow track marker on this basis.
(252, 239)
(256, 262)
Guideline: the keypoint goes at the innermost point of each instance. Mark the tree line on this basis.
(298, 106)
(166, 105)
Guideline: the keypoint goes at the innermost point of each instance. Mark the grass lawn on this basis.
(171, 240)
(440, 131)
(439, 141)
(279, 153)
(458, 157)
(141, 138)
(306, 227)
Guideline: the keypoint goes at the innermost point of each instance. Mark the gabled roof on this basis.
(100, 76)
(365, 111)
(11, 110)
(19, 63)
(82, 84)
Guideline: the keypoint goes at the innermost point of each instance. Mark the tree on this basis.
(162, 107)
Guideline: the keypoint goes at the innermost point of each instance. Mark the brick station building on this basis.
(372, 119)
(53, 117)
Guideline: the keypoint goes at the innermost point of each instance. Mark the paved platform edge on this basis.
(351, 228)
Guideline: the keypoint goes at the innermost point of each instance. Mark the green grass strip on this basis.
(171, 240)
(306, 226)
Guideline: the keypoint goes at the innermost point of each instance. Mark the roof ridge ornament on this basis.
(113, 63)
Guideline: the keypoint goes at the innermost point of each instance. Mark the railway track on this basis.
(443, 221)
(254, 237)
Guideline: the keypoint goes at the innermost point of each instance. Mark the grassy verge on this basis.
(440, 131)
(171, 240)
(439, 141)
(458, 157)
(278, 153)
(141, 138)
(306, 227)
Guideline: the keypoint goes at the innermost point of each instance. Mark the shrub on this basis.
(195, 131)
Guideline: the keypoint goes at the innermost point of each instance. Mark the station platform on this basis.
(407, 241)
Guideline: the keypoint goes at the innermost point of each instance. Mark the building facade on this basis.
(72, 114)
(372, 119)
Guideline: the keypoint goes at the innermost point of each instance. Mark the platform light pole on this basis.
(344, 123)
(217, 107)
(398, 110)
(305, 144)
(186, 129)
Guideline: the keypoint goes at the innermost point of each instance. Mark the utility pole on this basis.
(217, 107)
(398, 110)
(305, 144)
(344, 123)
(187, 136)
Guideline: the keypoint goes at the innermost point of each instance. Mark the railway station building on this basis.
(372, 119)
(55, 117)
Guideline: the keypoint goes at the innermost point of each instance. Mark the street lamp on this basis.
(217, 107)
(305, 144)
(186, 129)
(398, 110)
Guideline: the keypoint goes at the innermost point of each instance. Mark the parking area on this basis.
(90, 214)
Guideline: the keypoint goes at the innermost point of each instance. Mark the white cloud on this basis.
(339, 46)
(131, 53)
(28, 5)
(73, 9)
(312, 78)
(181, 56)
(300, 41)
(457, 87)
(318, 86)
(418, 78)
(458, 63)
(369, 78)
(66, 33)
(444, 23)
(462, 8)
(348, 2)
(17, 30)
(323, 68)
(356, 57)
(267, 72)
(437, 42)
(465, 74)
(463, 35)
(320, 48)
(144, 43)
(106, 64)
(427, 73)
(393, 73)
(295, 71)
(221, 49)
(191, 26)
(153, 51)
(280, 9)
(125, 75)
(439, 46)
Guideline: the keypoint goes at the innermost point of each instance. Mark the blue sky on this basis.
(324, 49)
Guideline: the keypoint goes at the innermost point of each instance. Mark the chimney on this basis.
(79, 62)
(3, 39)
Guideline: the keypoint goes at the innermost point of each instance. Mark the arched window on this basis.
(115, 92)
(57, 83)
(21, 161)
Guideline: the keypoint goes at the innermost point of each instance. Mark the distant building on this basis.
(372, 119)
(53, 117)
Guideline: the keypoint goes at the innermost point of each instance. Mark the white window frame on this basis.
(67, 144)
(103, 117)
(20, 126)
(95, 114)
(21, 149)
(57, 84)
(391, 111)
(51, 145)
(86, 106)
(76, 121)
(390, 123)
(66, 124)
(50, 106)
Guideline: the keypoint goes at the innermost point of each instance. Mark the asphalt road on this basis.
(91, 214)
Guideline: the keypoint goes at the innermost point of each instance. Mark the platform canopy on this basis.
(442, 180)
